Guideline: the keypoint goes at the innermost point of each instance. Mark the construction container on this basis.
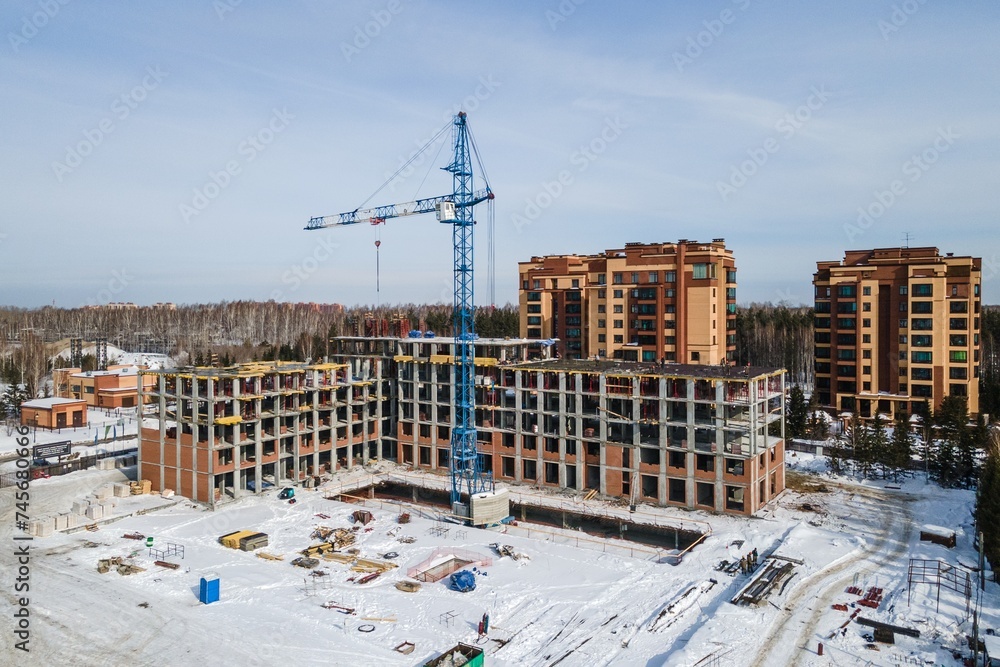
(465, 655)
(208, 590)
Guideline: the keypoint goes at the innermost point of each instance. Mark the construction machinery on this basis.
(455, 209)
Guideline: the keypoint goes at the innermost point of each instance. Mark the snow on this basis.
(571, 605)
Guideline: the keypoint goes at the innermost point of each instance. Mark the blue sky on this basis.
(175, 153)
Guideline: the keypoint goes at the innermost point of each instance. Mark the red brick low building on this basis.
(54, 413)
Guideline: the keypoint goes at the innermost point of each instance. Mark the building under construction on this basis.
(223, 432)
(693, 436)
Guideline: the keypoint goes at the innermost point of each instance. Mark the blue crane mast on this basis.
(456, 209)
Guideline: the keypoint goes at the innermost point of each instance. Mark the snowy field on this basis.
(564, 606)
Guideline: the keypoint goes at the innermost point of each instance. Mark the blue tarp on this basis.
(463, 581)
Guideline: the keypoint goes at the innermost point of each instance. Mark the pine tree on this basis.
(836, 456)
(858, 441)
(988, 503)
(796, 414)
(816, 427)
(901, 446)
(878, 444)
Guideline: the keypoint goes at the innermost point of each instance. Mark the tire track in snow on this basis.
(815, 591)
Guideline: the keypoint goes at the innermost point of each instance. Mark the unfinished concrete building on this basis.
(694, 436)
(224, 432)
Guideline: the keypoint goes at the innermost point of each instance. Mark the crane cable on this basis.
(406, 164)
(490, 225)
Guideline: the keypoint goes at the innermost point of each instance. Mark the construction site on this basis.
(350, 572)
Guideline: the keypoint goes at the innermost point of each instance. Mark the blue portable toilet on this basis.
(208, 591)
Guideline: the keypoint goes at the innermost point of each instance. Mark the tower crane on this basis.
(455, 209)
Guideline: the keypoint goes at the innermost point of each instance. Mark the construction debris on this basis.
(508, 550)
(757, 590)
(367, 565)
(331, 604)
(305, 562)
(676, 607)
(408, 586)
(364, 517)
(343, 537)
(143, 486)
(320, 549)
(404, 518)
(104, 566)
(406, 648)
(909, 632)
(321, 533)
(134, 536)
(368, 577)
(166, 564)
(267, 556)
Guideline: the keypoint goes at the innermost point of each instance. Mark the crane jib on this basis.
(380, 214)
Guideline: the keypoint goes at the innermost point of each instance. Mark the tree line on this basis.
(776, 335)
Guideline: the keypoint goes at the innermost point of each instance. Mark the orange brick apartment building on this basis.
(643, 302)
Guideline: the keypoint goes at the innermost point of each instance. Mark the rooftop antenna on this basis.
(906, 239)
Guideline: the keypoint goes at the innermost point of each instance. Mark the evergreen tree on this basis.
(951, 448)
(859, 443)
(988, 503)
(878, 444)
(817, 427)
(796, 413)
(11, 400)
(901, 446)
(836, 456)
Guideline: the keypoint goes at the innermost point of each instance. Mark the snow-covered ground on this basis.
(565, 605)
